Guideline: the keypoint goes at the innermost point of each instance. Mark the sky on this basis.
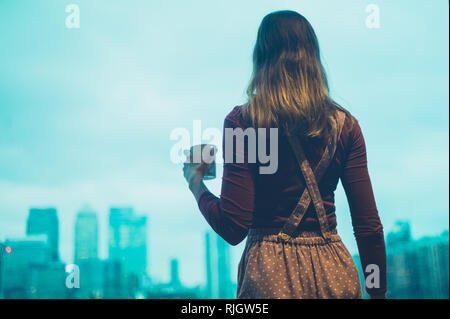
(86, 114)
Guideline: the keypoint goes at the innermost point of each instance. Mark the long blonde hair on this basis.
(288, 88)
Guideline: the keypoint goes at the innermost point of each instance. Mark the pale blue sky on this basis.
(85, 114)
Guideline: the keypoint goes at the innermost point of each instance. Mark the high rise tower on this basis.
(86, 236)
(86, 255)
(45, 222)
(127, 240)
(174, 273)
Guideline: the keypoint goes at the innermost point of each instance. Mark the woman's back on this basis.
(272, 197)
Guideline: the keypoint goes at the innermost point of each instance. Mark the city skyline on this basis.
(86, 114)
(416, 268)
(127, 256)
(86, 212)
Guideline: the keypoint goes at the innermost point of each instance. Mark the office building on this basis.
(86, 236)
(128, 246)
(19, 257)
(174, 273)
(86, 255)
(45, 222)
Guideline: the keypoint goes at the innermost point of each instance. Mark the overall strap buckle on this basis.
(283, 237)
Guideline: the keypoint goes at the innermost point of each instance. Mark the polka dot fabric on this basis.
(304, 267)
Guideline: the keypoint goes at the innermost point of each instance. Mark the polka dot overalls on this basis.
(287, 263)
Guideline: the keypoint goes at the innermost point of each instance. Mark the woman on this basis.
(293, 249)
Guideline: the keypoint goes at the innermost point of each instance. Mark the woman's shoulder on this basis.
(351, 131)
(236, 118)
(351, 124)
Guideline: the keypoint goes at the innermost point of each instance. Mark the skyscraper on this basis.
(218, 274)
(86, 255)
(128, 240)
(86, 236)
(45, 222)
(174, 273)
(211, 276)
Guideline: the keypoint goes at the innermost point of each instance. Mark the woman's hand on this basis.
(193, 173)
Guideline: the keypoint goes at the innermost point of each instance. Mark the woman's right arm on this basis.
(367, 226)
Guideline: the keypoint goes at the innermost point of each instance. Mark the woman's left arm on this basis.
(230, 215)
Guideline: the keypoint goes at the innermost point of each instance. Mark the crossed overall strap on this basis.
(311, 178)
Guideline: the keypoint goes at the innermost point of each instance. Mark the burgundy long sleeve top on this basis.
(249, 199)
